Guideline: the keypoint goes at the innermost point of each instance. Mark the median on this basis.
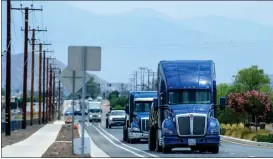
(62, 147)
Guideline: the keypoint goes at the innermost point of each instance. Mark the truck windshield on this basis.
(143, 106)
(94, 110)
(190, 96)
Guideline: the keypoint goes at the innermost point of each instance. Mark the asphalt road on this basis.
(110, 141)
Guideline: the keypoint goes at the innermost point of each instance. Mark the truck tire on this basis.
(151, 141)
(158, 148)
(166, 150)
(107, 124)
(214, 149)
(194, 148)
(202, 149)
(124, 134)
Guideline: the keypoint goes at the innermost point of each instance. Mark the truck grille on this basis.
(118, 119)
(195, 126)
(145, 125)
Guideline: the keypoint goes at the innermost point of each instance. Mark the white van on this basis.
(94, 111)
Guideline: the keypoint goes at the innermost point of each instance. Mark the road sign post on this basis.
(77, 57)
(71, 80)
(83, 98)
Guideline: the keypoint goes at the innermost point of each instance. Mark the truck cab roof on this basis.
(187, 74)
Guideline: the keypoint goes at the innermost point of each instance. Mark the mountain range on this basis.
(143, 37)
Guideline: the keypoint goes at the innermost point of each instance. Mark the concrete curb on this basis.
(94, 149)
(246, 142)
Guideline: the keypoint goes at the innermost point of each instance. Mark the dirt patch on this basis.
(62, 147)
(19, 135)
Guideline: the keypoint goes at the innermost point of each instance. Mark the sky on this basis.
(258, 12)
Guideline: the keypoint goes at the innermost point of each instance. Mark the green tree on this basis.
(249, 79)
(92, 88)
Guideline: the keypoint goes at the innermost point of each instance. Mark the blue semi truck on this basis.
(185, 113)
(136, 125)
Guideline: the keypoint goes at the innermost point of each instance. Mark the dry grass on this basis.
(238, 131)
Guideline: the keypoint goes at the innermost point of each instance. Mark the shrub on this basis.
(119, 107)
(238, 131)
(265, 138)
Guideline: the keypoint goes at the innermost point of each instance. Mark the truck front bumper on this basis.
(116, 123)
(175, 141)
(138, 135)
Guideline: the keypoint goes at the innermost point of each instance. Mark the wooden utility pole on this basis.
(26, 9)
(50, 93)
(8, 73)
(59, 103)
(32, 74)
(54, 91)
(44, 85)
(40, 81)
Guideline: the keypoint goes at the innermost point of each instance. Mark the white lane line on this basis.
(118, 145)
(232, 153)
(251, 156)
(126, 144)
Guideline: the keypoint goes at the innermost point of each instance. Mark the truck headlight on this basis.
(111, 118)
(214, 131)
(212, 124)
(99, 116)
(135, 129)
(167, 131)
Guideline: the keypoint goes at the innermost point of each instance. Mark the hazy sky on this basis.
(259, 12)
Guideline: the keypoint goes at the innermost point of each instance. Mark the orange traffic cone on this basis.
(75, 126)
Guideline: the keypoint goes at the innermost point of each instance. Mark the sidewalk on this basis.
(36, 144)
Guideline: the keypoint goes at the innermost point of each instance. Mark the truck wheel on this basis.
(158, 147)
(202, 149)
(166, 150)
(214, 149)
(151, 141)
(107, 124)
(195, 148)
(110, 126)
(124, 134)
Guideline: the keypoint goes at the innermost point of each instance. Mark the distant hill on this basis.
(17, 72)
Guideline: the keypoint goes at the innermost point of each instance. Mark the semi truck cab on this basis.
(185, 113)
(136, 125)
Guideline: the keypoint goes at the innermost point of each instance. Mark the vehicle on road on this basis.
(94, 111)
(68, 112)
(136, 126)
(185, 113)
(115, 118)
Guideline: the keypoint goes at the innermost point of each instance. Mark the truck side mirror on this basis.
(127, 109)
(222, 103)
(155, 103)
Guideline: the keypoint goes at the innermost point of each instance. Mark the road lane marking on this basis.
(251, 156)
(232, 153)
(126, 144)
(118, 145)
(246, 144)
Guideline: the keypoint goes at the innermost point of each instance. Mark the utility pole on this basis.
(8, 73)
(54, 91)
(149, 79)
(44, 86)
(142, 77)
(47, 89)
(26, 9)
(135, 79)
(32, 75)
(50, 92)
(40, 81)
(59, 105)
(153, 83)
